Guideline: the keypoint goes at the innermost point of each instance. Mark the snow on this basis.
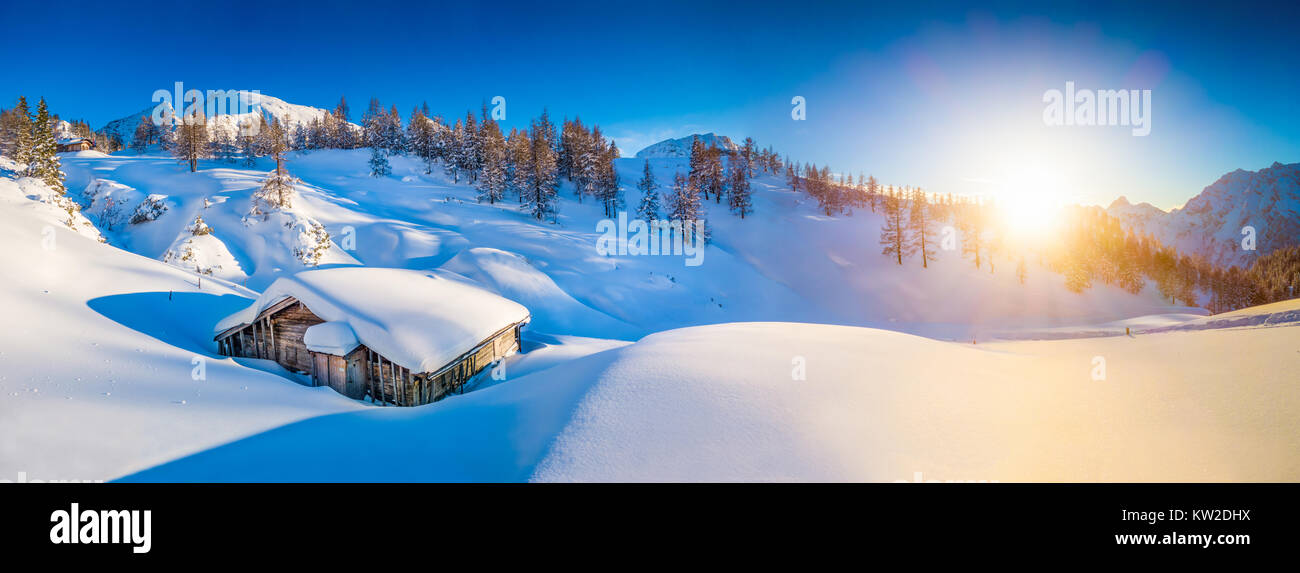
(681, 147)
(97, 357)
(632, 368)
(335, 338)
(418, 320)
(719, 403)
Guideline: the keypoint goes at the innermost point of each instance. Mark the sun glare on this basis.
(1030, 204)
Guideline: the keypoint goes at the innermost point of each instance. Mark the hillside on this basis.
(787, 262)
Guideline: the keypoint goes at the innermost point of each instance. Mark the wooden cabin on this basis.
(75, 144)
(286, 330)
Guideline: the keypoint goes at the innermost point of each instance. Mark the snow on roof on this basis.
(334, 338)
(419, 320)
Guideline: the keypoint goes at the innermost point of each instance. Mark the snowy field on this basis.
(634, 368)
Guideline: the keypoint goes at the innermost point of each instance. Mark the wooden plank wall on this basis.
(289, 326)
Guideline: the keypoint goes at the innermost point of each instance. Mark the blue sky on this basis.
(942, 95)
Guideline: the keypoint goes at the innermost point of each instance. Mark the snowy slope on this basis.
(98, 354)
(718, 403)
(681, 147)
(1211, 223)
(786, 262)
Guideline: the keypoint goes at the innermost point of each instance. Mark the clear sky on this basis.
(940, 95)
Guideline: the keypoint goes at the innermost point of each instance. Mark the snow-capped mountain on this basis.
(290, 115)
(1212, 223)
(681, 147)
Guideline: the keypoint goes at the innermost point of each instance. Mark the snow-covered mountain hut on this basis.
(74, 144)
(399, 336)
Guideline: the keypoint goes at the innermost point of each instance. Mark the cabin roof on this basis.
(420, 320)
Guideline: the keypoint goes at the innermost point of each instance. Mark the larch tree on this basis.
(921, 225)
(893, 233)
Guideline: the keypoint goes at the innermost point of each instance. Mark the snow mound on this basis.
(553, 309)
(204, 254)
(419, 320)
(335, 338)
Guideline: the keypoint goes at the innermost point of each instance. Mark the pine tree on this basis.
(1021, 271)
(375, 126)
(19, 127)
(686, 206)
(648, 209)
(738, 194)
(892, 234)
(420, 138)
(520, 167)
(342, 135)
(922, 228)
(714, 179)
(44, 161)
(493, 179)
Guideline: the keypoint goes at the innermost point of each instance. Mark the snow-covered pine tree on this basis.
(342, 136)
(748, 154)
(221, 146)
(374, 124)
(738, 193)
(18, 127)
(893, 233)
(648, 209)
(493, 178)
(394, 137)
(520, 167)
(420, 138)
(471, 155)
(921, 225)
(44, 163)
(454, 146)
(276, 193)
(686, 206)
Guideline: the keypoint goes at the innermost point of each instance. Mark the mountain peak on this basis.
(681, 147)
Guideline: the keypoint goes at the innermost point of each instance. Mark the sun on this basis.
(1029, 203)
